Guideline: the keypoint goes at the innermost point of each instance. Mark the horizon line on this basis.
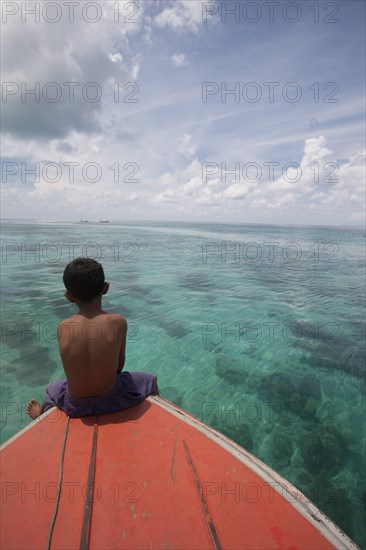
(186, 222)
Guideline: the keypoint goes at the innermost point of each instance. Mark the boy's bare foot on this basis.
(33, 409)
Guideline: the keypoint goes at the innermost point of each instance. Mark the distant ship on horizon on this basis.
(103, 221)
(83, 221)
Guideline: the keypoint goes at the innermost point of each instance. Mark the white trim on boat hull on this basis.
(21, 432)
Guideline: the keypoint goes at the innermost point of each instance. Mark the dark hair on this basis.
(84, 279)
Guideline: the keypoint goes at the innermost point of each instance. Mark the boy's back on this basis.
(92, 347)
(92, 351)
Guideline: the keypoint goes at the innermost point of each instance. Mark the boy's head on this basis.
(84, 279)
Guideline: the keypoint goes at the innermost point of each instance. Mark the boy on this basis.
(92, 348)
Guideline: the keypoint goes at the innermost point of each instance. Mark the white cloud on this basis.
(287, 198)
(303, 176)
(76, 52)
(179, 59)
(181, 15)
(186, 147)
(236, 191)
(315, 149)
(116, 57)
(192, 186)
(135, 71)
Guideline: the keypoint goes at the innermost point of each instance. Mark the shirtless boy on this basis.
(92, 348)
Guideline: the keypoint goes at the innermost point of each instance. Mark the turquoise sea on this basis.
(257, 330)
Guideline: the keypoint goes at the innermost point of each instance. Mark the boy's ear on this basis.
(69, 297)
(105, 288)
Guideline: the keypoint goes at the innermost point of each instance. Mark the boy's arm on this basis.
(122, 351)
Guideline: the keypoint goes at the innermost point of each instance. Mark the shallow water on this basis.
(257, 330)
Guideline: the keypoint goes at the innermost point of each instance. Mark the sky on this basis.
(184, 110)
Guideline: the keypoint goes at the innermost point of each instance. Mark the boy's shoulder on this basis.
(114, 318)
(105, 317)
(68, 321)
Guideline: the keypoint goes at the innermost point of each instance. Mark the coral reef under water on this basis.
(324, 449)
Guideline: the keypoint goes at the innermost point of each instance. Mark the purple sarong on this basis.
(131, 388)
